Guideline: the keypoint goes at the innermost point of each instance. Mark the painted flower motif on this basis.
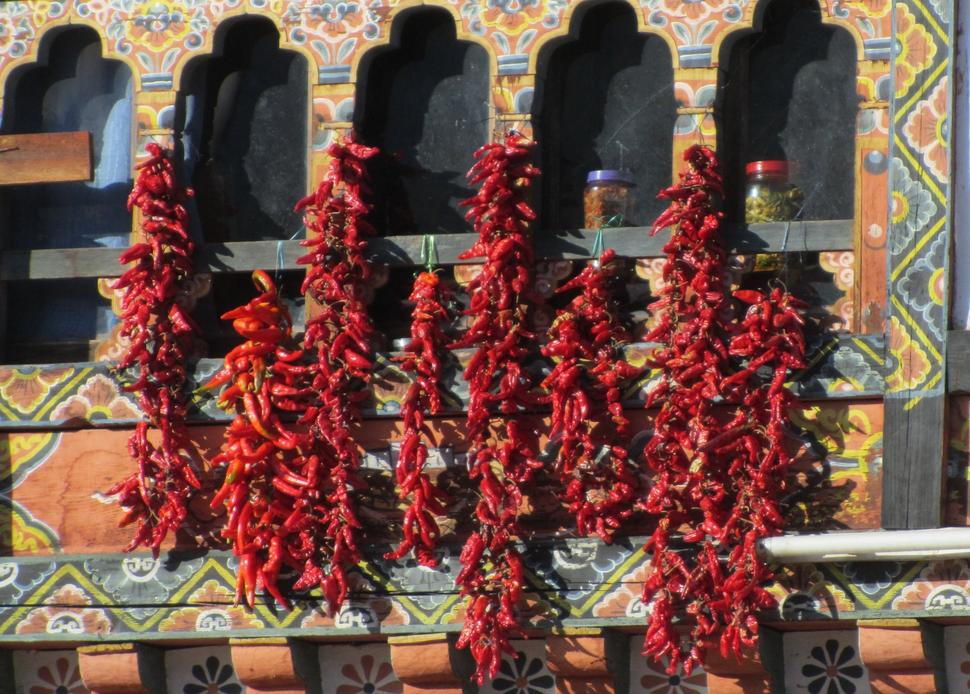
(833, 671)
(221, 616)
(927, 129)
(98, 398)
(24, 391)
(369, 677)
(692, 10)
(659, 682)
(66, 612)
(912, 365)
(213, 679)
(513, 16)
(943, 585)
(61, 678)
(912, 203)
(914, 49)
(872, 577)
(523, 675)
(158, 24)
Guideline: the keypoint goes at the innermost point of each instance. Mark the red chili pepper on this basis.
(266, 489)
(711, 475)
(587, 415)
(160, 339)
(496, 381)
(339, 337)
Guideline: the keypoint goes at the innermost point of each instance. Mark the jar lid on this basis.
(611, 176)
(778, 167)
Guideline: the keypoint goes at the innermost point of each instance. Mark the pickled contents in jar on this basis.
(771, 203)
(607, 199)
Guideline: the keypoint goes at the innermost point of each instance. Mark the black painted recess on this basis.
(243, 120)
(423, 101)
(789, 92)
(604, 100)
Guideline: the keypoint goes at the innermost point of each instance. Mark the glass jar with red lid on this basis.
(769, 197)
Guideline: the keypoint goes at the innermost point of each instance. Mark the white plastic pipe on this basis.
(875, 545)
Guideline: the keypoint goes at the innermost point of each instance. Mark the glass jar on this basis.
(608, 198)
(769, 197)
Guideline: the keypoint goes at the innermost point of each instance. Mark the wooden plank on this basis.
(406, 250)
(45, 158)
(958, 361)
(844, 367)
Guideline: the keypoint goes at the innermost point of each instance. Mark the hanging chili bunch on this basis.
(270, 484)
(160, 336)
(338, 337)
(492, 570)
(423, 360)
(587, 412)
(720, 480)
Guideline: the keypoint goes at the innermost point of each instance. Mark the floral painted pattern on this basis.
(911, 363)
(98, 398)
(369, 676)
(214, 677)
(657, 681)
(526, 673)
(62, 677)
(831, 670)
(914, 49)
(927, 129)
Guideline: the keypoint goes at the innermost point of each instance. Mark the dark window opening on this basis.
(789, 93)
(424, 102)
(604, 100)
(242, 117)
(55, 321)
(72, 88)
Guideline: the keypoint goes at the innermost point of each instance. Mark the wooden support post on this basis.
(122, 668)
(920, 238)
(277, 665)
(430, 664)
(894, 652)
(45, 158)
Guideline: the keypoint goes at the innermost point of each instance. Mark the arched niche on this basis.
(423, 100)
(72, 87)
(788, 91)
(242, 119)
(604, 100)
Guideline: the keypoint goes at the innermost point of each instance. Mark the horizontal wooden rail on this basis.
(846, 366)
(240, 256)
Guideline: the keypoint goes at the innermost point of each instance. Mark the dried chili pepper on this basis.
(598, 479)
(719, 480)
(270, 485)
(423, 359)
(492, 571)
(339, 338)
(160, 335)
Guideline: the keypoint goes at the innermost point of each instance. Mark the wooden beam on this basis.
(577, 244)
(957, 362)
(45, 158)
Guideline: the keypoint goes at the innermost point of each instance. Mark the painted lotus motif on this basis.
(98, 398)
(928, 130)
(914, 49)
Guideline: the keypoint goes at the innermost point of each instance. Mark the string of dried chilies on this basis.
(492, 571)
(160, 335)
(424, 357)
(717, 477)
(338, 335)
(598, 480)
(270, 484)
